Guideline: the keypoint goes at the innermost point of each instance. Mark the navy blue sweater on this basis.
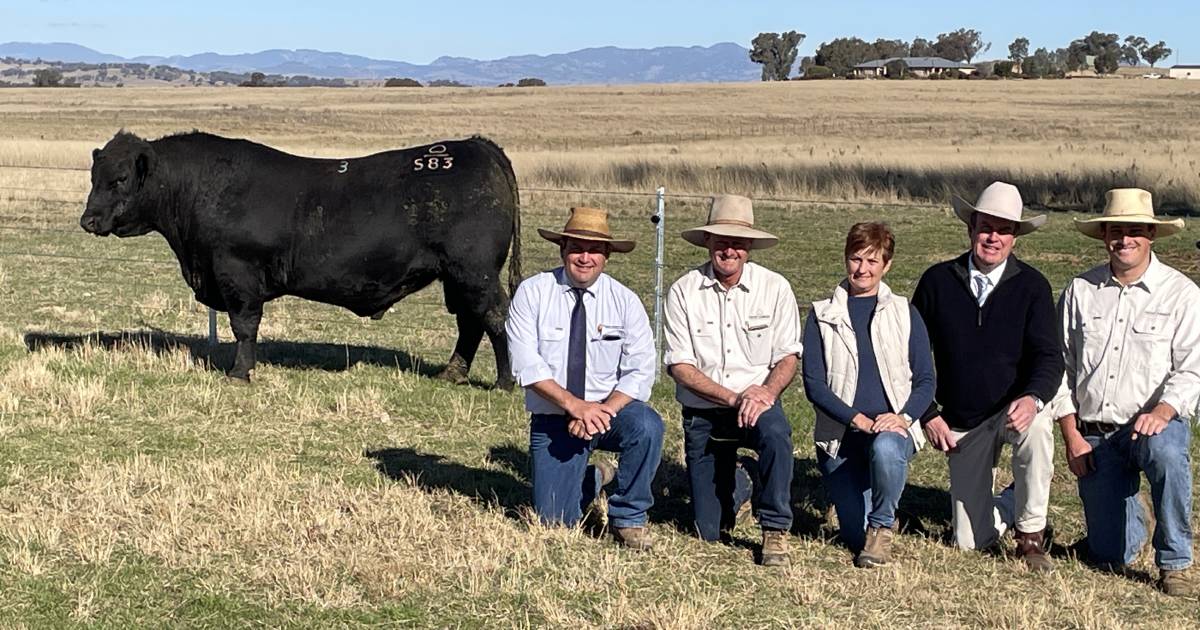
(987, 357)
(869, 396)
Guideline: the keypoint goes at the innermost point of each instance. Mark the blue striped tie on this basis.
(577, 348)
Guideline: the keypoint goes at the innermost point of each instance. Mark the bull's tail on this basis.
(514, 264)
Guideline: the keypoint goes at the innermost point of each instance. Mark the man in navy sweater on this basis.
(998, 354)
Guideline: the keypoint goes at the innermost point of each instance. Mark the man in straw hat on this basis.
(998, 354)
(1132, 354)
(582, 348)
(733, 342)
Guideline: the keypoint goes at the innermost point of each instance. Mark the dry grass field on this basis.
(345, 487)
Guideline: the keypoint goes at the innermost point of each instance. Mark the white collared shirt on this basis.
(620, 346)
(1127, 348)
(735, 336)
(993, 276)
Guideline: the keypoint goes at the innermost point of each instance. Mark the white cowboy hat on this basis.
(588, 224)
(1128, 205)
(731, 215)
(999, 200)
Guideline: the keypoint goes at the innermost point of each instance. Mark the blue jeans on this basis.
(1116, 523)
(563, 482)
(865, 481)
(711, 438)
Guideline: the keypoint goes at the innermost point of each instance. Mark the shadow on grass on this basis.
(430, 471)
(330, 357)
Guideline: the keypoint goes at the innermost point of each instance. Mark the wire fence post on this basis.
(660, 226)
(212, 327)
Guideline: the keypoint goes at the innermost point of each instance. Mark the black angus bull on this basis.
(249, 224)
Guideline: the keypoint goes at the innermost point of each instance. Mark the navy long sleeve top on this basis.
(870, 399)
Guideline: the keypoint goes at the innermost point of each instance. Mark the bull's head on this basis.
(119, 173)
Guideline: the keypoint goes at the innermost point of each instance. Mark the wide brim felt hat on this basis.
(732, 216)
(1131, 206)
(588, 224)
(1000, 200)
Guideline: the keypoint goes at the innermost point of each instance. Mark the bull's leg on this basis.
(244, 318)
(493, 324)
(470, 333)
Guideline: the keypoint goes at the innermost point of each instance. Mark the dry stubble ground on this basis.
(345, 487)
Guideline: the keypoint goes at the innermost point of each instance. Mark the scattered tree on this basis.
(921, 47)
(815, 73)
(402, 82)
(776, 53)
(842, 54)
(896, 69)
(47, 77)
(531, 82)
(1003, 69)
(960, 45)
(889, 48)
(446, 83)
(1018, 50)
(1132, 50)
(1152, 54)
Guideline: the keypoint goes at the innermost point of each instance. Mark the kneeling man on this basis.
(582, 348)
(1132, 330)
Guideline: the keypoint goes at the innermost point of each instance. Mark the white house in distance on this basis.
(917, 66)
(1184, 72)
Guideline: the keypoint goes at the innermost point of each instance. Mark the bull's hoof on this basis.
(453, 374)
(505, 384)
(237, 379)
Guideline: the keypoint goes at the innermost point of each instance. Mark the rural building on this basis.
(1185, 72)
(917, 66)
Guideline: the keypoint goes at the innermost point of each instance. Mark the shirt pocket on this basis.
(1151, 343)
(552, 346)
(1093, 335)
(756, 339)
(606, 348)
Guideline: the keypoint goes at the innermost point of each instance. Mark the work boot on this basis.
(1031, 547)
(774, 548)
(878, 550)
(635, 538)
(1178, 583)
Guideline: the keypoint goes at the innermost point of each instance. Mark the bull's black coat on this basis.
(249, 224)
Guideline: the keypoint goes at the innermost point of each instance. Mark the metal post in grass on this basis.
(212, 327)
(660, 226)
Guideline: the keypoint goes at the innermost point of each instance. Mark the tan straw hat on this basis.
(731, 215)
(1128, 205)
(588, 224)
(1002, 201)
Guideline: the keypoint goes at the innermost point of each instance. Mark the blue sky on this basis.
(421, 31)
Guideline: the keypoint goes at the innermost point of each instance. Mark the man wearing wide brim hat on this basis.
(582, 348)
(998, 354)
(733, 341)
(1132, 351)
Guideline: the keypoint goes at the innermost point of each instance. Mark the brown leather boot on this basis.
(635, 538)
(774, 548)
(878, 550)
(1031, 548)
(1180, 583)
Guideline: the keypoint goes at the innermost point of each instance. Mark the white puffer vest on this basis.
(890, 329)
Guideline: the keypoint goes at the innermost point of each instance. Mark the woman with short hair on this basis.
(869, 375)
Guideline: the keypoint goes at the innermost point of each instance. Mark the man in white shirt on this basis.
(733, 344)
(1132, 351)
(581, 346)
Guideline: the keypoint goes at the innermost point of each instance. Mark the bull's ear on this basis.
(143, 166)
(95, 154)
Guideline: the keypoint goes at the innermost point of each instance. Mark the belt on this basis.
(1097, 428)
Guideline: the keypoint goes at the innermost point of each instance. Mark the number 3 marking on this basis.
(343, 167)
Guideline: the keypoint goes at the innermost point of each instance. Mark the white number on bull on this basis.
(344, 166)
(433, 163)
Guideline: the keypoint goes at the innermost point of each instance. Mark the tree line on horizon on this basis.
(1105, 52)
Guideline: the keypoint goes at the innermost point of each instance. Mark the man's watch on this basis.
(1038, 403)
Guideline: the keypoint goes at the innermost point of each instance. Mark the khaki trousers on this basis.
(979, 518)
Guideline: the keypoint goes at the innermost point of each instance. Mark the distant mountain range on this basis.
(668, 64)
